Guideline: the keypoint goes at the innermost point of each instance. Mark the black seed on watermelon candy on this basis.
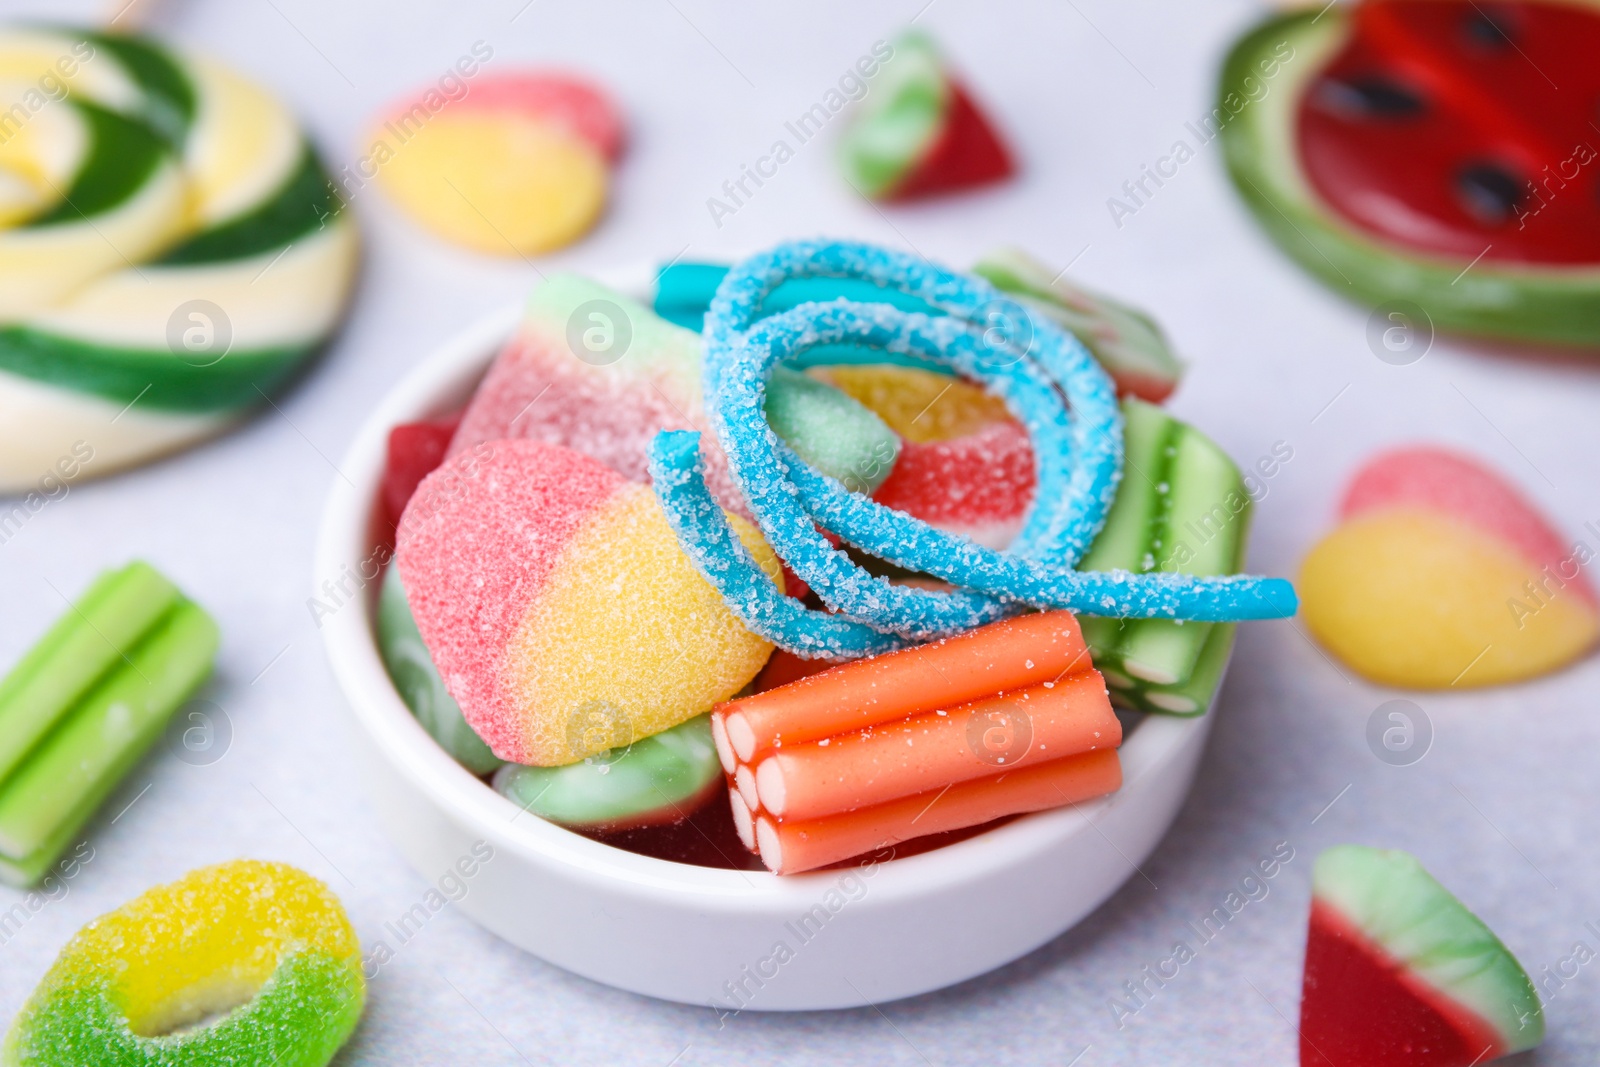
(1372, 96)
(1489, 192)
(1491, 27)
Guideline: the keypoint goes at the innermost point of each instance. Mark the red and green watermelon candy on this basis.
(918, 132)
(1419, 151)
(1400, 974)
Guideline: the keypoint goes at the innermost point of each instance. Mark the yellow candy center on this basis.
(1412, 598)
(204, 944)
(496, 182)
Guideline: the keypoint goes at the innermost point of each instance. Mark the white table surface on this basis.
(1088, 91)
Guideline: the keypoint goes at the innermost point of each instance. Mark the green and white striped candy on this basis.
(171, 250)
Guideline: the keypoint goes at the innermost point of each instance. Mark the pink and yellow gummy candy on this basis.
(1441, 574)
(562, 613)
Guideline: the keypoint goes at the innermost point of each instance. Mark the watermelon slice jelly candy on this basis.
(918, 133)
(1391, 145)
(965, 463)
(1122, 339)
(591, 370)
(1441, 574)
(1182, 507)
(558, 607)
(1400, 974)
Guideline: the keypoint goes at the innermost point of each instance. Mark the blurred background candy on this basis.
(1441, 573)
(171, 250)
(918, 132)
(517, 164)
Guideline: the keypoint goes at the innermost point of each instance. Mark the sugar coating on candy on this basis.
(1442, 574)
(265, 940)
(1126, 341)
(978, 486)
(1399, 973)
(965, 465)
(1076, 454)
(590, 370)
(655, 781)
(416, 680)
(559, 608)
(594, 371)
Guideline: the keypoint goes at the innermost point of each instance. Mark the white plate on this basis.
(736, 940)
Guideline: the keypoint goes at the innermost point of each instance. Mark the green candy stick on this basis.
(86, 643)
(70, 773)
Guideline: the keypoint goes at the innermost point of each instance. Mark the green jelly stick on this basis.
(31, 868)
(1193, 695)
(1207, 515)
(1124, 541)
(84, 758)
(83, 646)
(1182, 506)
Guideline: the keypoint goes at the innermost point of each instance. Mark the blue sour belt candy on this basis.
(982, 335)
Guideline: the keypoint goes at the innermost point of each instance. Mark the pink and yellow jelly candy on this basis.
(561, 612)
(517, 165)
(1441, 574)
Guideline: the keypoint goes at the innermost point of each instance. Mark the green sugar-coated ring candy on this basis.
(243, 963)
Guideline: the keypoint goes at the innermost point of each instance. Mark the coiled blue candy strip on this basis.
(984, 336)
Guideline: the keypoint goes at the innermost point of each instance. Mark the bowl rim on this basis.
(345, 542)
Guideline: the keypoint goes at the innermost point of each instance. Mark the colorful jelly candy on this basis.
(1442, 574)
(170, 250)
(1182, 508)
(965, 464)
(517, 165)
(1078, 463)
(656, 781)
(417, 680)
(561, 613)
(1400, 974)
(241, 963)
(1418, 155)
(415, 450)
(1006, 719)
(918, 132)
(591, 370)
(1126, 341)
(86, 702)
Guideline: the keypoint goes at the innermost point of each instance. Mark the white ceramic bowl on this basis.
(737, 940)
